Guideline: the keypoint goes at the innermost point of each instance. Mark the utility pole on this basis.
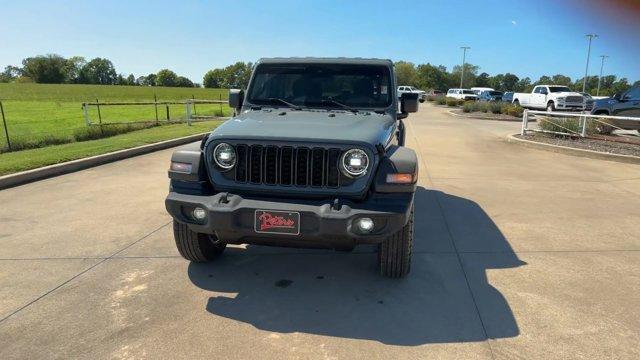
(464, 57)
(600, 77)
(586, 71)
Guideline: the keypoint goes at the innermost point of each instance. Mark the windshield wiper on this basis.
(338, 103)
(285, 102)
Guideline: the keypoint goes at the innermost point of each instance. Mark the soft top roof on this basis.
(315, 60)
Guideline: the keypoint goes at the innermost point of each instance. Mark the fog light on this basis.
(365, 225)
(199, 214)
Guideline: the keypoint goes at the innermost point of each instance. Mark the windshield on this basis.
(494, 93)
(555, 89)
(322, 85)
(468, 92)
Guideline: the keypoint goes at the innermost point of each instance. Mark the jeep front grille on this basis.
(288, 165)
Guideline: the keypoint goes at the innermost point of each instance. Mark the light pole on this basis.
(586, 71)
(600, 77)
(464, 57)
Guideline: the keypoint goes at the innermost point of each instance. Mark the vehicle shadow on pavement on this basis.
(341, 294)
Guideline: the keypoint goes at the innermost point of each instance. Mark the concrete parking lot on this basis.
(519, 253)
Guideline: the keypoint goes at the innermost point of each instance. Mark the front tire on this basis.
(551, 107)
(394, 254)
(196, 247)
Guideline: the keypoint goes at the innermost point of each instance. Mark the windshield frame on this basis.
(387, 72)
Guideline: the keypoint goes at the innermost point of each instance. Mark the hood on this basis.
(308, 125)
(568, 93)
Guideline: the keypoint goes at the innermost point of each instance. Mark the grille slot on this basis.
(255, 166)
(288, 165)
(302, 166)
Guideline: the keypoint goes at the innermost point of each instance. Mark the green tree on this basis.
(483, 80)
(214, 78)
(406, 73)
(496, 81)
(233, 76)
(98, 71)
(470, 75)
(432, 77)
(166, 77)
(523, 85)
(10, 73)
(49, 69)
(182, 81)
(509, 82)
(131, 80)
(560, 79)
(73, 68)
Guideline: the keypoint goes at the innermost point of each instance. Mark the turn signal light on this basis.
(181, 167)
(400, 178)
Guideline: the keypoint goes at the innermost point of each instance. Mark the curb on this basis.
(450, 112)
(28, 176)
(574, 151)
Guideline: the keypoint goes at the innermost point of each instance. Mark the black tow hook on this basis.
(336, 204)
(224, 198)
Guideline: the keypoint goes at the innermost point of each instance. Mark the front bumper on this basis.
(570, 106)
(322, 224)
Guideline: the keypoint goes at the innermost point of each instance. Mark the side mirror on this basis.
(236, 97)
(616, 96)
(409, 103)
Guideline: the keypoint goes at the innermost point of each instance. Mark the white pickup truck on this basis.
(422, 95)
(551, 97)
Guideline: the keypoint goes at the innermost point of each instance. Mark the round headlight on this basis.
(355, 162)
(224, 155)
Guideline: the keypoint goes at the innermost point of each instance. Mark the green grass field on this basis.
(11, 162)
(52, 113)
(35, 111)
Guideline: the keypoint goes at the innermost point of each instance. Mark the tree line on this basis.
(428, 76)
(77, 70)
(55, 69)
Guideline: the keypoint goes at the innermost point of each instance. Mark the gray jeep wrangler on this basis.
(313, 157)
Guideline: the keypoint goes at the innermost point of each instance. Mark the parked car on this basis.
(507, 97)
(479, 90)
(625, 104)
(433, 92)
(490, 95)
(464, 94)
(422, 95)
(301, 166)
(588, 101)
(551, 98)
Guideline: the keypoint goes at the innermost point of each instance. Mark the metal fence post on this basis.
(6, 130)
(155, 105)
(195, 111)
(168, 118)
(221, 112)
(525, 122)
(99, 114)
(584, 126)
(85, 110)
(188, 111)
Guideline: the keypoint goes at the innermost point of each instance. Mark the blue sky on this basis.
(528, 38)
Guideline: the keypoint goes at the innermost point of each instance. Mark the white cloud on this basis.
(513, 22)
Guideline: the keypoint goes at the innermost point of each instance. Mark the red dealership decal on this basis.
(269, 221)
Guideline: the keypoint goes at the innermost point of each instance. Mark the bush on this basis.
(495, 108)
(564, 125)
(94, 132)
(452, 102)
(24, 143)
(441, 100)
(468, 107)
(511, 109)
